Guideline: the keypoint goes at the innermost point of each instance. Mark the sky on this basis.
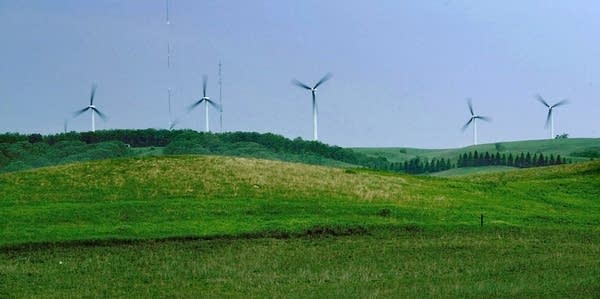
(402, 70)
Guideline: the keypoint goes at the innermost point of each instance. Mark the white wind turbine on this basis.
(314, 101)
(473, 119)
(207, 101)
(93, 110)
(550, 117)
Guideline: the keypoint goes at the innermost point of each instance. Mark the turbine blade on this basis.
(541, 100)
(325, 78)
(102, 115)
(563, 102)
(215, 105)
(485, 118)
(548, 118)
(470, 106)
(173, 124)
(300, 84)
(204, 81)
(467, 124)
(191, 107)
(79, 112)
(92, 94)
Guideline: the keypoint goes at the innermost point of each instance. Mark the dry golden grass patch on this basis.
(274, 176)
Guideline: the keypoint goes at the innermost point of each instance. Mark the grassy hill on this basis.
(207, 196)
(223, 226)
(564, 147)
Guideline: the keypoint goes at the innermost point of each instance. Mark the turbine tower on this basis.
(93, 110)
(313, 90)
(473, 120)
(550, 117)
(207, 101)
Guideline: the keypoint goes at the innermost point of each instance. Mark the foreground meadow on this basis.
(218, 226)
(390, 263)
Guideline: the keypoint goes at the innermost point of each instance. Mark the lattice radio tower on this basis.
(169, 81)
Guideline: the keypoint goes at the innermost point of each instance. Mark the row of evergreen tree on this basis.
(474, 159)
(523, 160)
(418, 165)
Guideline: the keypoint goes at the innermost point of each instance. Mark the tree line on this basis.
(134, 138)
(33, 150)
(23, 155)
(418, 165)
(268, 145)
(250, 144)
(202, 142)
(523, 160)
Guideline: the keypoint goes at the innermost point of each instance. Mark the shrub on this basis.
(385, 212)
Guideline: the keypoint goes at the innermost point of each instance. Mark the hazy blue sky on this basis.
(402, 69)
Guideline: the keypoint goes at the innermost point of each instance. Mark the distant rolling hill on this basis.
(21, 152)
(564, 147)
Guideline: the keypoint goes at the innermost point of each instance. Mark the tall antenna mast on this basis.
(169, 90)
(220, 99)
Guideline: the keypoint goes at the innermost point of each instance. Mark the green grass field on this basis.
(453, 172)
(564, 147)
(487, 263)
(188, 226)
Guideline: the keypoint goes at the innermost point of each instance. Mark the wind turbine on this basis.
(473, 119)
(92, 108)
(550, 117)
(314, 101)
(206, 101)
